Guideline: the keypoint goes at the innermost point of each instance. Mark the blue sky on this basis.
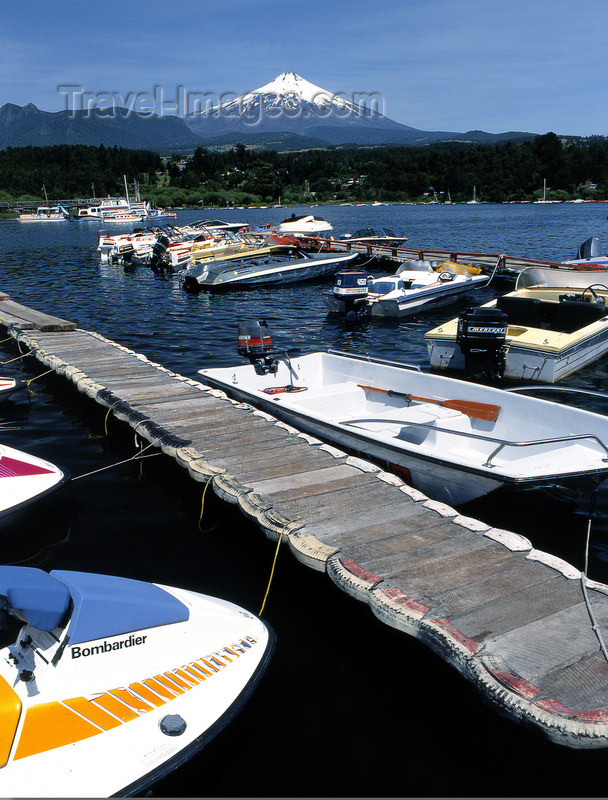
(452, 65)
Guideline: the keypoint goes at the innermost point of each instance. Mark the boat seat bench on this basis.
(567, 316)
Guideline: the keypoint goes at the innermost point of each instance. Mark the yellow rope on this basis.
(200, 519)
(5, 340)
(105, 423)
(274, 561)
(42, 374)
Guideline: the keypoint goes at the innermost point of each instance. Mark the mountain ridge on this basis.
(288, 113)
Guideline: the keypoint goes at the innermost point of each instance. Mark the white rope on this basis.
(594, 625)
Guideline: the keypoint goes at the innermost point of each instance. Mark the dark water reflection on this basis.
(348, 707)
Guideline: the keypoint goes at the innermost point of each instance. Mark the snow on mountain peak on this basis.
(287, 91)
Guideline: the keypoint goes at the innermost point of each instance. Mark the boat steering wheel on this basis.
(445, 277)
(592, 290)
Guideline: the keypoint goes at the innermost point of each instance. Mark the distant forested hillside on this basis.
(244, 176)
(70, 171)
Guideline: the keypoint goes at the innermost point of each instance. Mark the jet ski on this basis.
(108, 683)
(25, 478)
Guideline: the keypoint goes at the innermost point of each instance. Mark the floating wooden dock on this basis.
(513, 620)
(504, 264)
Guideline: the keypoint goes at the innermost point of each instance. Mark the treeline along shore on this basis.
(511, 171)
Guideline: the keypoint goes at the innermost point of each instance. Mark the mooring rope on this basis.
(274, 561)
(594, 626)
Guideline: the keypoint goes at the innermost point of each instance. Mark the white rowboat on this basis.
(453, 440)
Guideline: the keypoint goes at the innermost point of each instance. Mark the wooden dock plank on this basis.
(266, 469)
(514, 610)
(11, 310)
(330, 504)
(299, 483)
(499, 585)
(581, 685)
(381, 523)
(552, 642)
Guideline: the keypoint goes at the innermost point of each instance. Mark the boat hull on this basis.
(448, 455)
(548, 337)
(527, 363)
(433, 297)
(267, 272)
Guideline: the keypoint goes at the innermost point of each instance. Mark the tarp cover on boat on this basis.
(105, 605)
(41, 599)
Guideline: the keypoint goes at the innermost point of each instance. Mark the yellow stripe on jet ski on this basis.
(10, 711)
(50, 725)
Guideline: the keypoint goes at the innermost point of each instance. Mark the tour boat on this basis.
(108, 683)
(405, 293)
(553, 324)
(45, 214)
(25, 478)
(453, 440)
(289, 265)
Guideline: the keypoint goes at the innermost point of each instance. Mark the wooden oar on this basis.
(468, 407)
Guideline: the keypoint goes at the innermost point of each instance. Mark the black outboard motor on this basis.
(350, 292)
(254, 343)
(482, 335)
(158, 252)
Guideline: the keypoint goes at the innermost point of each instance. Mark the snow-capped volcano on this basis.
(290, 103)
(288, 92)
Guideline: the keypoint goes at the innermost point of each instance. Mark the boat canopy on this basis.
(105, 605)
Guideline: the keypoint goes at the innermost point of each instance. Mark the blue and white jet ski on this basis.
(107, 683)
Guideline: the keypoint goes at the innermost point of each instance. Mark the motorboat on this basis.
(385, 237)
(110, 683)
(305, 225)
(24, 479)
(45, 214)
(9, 386)
(538, 332)
(589, 256)
(288, 265)
(406, 293)
(453, 440)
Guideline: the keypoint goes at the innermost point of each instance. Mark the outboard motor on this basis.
(482, 336)
(254, 343)
(158, 252)
(351, 291)
(590, 248)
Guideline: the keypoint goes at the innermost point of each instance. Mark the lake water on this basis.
(348, 707)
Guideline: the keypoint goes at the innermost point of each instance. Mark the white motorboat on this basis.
(305, 225)
(413, 289)
(553, 324)
(8, 387)
(289, 265)
(108, 684)
(453, 440)
(24, 478)
(45, 214)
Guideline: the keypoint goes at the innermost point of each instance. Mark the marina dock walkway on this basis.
(513, 620)
(505, 265)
